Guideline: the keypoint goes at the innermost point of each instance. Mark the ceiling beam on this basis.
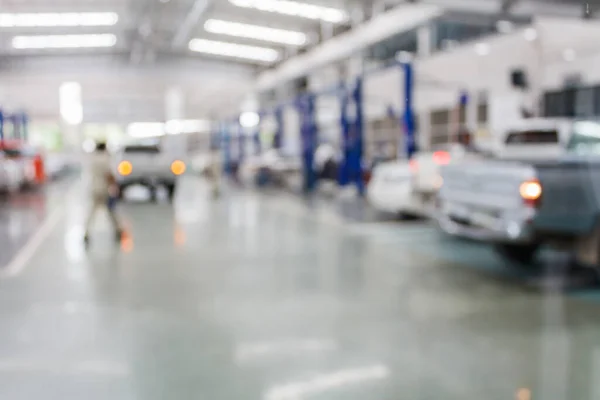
(192, 19)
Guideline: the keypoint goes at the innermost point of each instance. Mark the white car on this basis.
(14, 171)
(148, 164)
(409, 188)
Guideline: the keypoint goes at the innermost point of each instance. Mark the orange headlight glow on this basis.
(125, 168)
(178, 167)
(530, 190)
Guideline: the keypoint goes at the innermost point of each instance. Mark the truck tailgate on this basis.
(147, 165)
(485, 184)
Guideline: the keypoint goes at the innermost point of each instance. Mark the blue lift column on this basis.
(308, 133)
(409, 116)
(356, 139)
(225, 145)
(278, 138)
(344, 173)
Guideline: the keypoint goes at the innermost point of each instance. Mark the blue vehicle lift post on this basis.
(278, 138)
(308, 133)
(225, 145)
(409, 116)
(356, 138)
(344, 173)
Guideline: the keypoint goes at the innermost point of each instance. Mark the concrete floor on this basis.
(268, 297)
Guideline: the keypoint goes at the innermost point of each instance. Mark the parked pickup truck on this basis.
(410, 188)
(519, 206)
(147, 164)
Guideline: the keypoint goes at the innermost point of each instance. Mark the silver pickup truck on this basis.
(147, 164)
(519, 206)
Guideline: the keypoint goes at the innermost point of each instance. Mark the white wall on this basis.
(114, 90)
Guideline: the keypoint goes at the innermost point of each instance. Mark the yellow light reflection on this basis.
(179, 236)
(127, 244)
(524, 394)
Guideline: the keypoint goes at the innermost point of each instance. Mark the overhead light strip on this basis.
(30, 20)
(262, 54)
(257, 32)
(64, 41)
(296, 9)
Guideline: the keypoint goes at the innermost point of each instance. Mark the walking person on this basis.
(102, 190)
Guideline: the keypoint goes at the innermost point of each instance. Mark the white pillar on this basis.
(424, 41)
(471, 111)
(175, 104)
(71, 112)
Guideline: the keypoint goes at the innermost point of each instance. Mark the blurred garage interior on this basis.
(324, 199)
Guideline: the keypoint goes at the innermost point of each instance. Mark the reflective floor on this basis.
(257, 296)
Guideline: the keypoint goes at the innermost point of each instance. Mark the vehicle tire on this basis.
(523, 254)
(171, 191)
(153, 195)
(120, 192)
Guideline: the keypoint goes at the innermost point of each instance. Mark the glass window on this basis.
(533, 137)
(585, 138)
(142, 149)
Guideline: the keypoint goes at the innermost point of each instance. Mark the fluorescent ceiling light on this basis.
(255, 32)
(296, 9)
(58, 19)
(249, 119)
(64, 41)
(263, 54)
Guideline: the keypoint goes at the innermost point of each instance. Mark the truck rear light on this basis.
(441, 158)
(178, 167)
(125, 168)
(531, 192)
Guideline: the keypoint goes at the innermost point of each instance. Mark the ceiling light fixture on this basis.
(262, 54)
(58, 19)
(296, 9)
(237, 29)
(64, 41)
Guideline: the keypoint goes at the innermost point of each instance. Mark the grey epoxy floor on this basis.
(263, 297)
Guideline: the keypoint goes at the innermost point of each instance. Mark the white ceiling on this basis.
(128, 82)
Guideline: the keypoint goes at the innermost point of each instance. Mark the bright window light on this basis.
(255, 32)
(295, 9)
(71, 109)
(58, 19)
(64, 41)
(262, 54)
(249, 119)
